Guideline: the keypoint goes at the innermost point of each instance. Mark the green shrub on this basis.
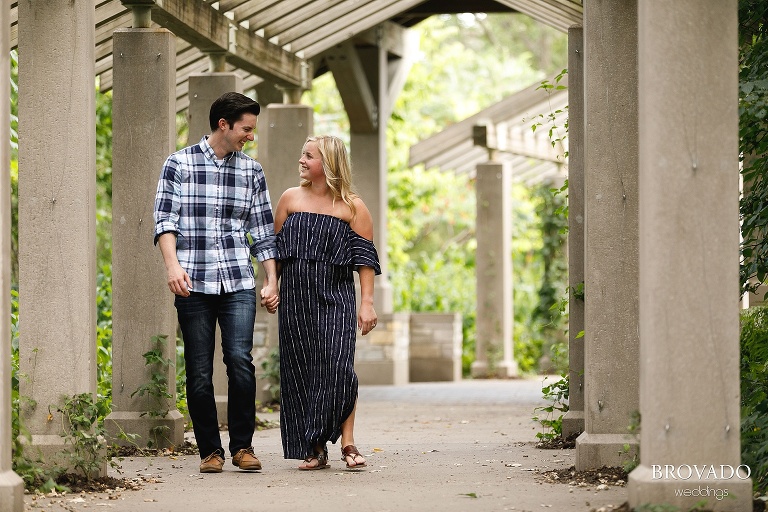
(754, 394)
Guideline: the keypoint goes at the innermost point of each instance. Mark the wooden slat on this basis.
(321, 38)
(263, 12)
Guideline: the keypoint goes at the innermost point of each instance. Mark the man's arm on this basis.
(178, 280)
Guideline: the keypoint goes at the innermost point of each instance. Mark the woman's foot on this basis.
(317, 461)
(352, 457)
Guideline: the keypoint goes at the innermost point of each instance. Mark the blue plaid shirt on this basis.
(211, 207)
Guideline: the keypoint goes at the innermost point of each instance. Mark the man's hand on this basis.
(179, 281)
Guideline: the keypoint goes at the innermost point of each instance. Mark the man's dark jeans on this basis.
(236, 313)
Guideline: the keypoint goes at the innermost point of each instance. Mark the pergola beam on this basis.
(212, 32)
(347, 68)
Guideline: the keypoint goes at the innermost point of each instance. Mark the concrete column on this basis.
(689, 375)
(573, 421)
(369, 167)
(267, 92)
(204, 89)
(611, 234)
(57, 215)
(11, 486)
(144, 134)
(494, 325)
(283, 129)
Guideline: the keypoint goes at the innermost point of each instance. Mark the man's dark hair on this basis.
(231, 106)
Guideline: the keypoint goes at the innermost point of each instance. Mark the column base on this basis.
(132, 422)
(382, 295)
(506, 370)
(718, 495)
(573, 423)
(593, 451)
(502, 370)
(11, 492)
(479, 370)
(222, 408)
(54, 451)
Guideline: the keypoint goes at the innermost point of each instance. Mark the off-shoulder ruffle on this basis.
(315, 236)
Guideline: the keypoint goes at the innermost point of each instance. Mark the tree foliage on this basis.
(753, 128)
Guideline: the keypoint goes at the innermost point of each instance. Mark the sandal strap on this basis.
(350, 451)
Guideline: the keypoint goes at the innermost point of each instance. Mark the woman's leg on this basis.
(348, 438)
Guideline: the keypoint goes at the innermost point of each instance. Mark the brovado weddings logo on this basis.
(701, 472)
(702, 492)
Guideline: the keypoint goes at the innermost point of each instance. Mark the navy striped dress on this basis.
(318, 321)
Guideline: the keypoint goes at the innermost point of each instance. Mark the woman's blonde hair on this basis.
(336, 167)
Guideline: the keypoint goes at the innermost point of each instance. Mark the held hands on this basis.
(269, 297)
(366, 318)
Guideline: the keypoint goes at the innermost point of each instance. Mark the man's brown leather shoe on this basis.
(246, 459)
(212, 463)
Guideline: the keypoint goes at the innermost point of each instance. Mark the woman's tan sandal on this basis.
(321, 459)
(351, 451)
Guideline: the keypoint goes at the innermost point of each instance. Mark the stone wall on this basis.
(382, 355)
(435, 349)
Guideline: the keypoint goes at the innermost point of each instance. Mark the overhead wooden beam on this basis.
(209, 30)
(388, 35)
(353, 86)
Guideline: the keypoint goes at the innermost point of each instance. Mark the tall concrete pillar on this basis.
(57, 214)
(369, 167)
(11, 486)
(283, 129)
(573, 421)
(144, 134)
(689, 246)
(204, 89)
(494, 324)
(368, 147)
(611, 234)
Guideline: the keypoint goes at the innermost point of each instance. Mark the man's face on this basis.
(241, 132)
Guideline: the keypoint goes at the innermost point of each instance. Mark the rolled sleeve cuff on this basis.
(164, 227)
(265, 249)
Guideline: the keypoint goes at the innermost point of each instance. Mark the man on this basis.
(212, 213)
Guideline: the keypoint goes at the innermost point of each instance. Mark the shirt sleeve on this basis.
(261, 224)
(167, 199)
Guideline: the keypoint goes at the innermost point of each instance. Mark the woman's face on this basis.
(311, 163)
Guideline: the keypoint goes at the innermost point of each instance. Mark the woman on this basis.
(324, 233)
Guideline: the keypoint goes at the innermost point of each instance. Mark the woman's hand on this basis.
(366, 317)
(270, 298)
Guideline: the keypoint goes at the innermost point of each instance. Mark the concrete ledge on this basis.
(11, 492)
(132, 422)
(573, 423)
(593, 451)
(719, 495)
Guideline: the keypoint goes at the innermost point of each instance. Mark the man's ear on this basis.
(223, 124)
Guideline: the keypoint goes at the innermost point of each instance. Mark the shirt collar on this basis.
(208, 150)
